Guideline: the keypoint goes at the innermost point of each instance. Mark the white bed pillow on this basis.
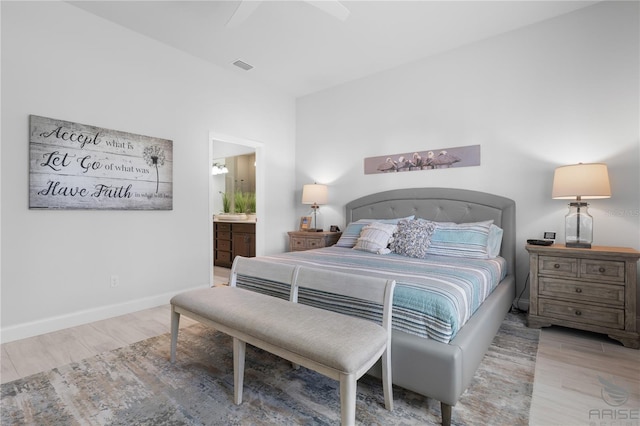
(350, 235)
(375, 238)
(412, 238)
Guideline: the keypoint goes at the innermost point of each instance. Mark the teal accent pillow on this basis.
(461, 239)
(494, 242)
(350, 235)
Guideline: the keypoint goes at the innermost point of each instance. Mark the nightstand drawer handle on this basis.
(601, 269)
(578, 290)
(557, 266)
(578, 313)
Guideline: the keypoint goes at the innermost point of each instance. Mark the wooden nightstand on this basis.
(303, 240)
(588, 289)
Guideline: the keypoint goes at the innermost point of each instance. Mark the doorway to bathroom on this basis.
(235, 199)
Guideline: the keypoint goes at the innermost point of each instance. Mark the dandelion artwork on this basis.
(154, 156)
(78, 166)
(430, 159)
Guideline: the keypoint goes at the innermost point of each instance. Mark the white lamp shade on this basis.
(588, 181)
(314, 194)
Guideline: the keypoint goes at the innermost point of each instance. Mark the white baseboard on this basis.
(48, 325)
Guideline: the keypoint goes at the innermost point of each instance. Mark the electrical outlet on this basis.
(115, 281)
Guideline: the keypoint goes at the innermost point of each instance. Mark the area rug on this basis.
(136, 385)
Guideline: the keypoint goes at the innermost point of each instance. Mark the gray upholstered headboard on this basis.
(442, 205)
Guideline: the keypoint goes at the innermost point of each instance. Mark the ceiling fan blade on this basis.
(245, 8)
(332, 7)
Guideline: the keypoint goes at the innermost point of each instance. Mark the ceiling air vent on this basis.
(240, 64)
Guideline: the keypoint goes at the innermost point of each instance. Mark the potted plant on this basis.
(226, 203)
(251, 205)
(240, 202)
(239, 207)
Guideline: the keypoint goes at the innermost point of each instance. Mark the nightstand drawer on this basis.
(315, 243)
(558, 266)
(302, 240)
(298, 243)
(578, 291)
(583, 314)
(602, 270)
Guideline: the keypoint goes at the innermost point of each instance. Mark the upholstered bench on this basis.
(339, 346)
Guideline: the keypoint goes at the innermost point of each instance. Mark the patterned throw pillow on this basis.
(412, 238)
(376, 237)
(461, 239)
(350, 235)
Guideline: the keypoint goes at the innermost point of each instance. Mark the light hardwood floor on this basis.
(567, 387)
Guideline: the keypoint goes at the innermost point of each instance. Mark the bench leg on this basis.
(387, 384)
(348, 389)
(175, 324)
(239, 349)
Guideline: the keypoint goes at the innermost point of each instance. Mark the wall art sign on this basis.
(76, 166)
(443, 158)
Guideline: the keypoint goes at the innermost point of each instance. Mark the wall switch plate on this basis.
(115, 281)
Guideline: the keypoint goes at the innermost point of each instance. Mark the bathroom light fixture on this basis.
(219, 169)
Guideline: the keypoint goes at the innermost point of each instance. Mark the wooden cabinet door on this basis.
(244, 245)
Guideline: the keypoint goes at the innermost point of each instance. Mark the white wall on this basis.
(61, 62)
(560, 92)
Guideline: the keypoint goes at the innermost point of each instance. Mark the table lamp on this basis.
(580, 181)
(314, 194)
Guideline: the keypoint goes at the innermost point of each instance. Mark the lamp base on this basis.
(578, 245)
(578, 226)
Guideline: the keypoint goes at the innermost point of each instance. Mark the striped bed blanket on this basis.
(434, 297)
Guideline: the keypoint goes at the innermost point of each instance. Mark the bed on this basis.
(438, 362)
